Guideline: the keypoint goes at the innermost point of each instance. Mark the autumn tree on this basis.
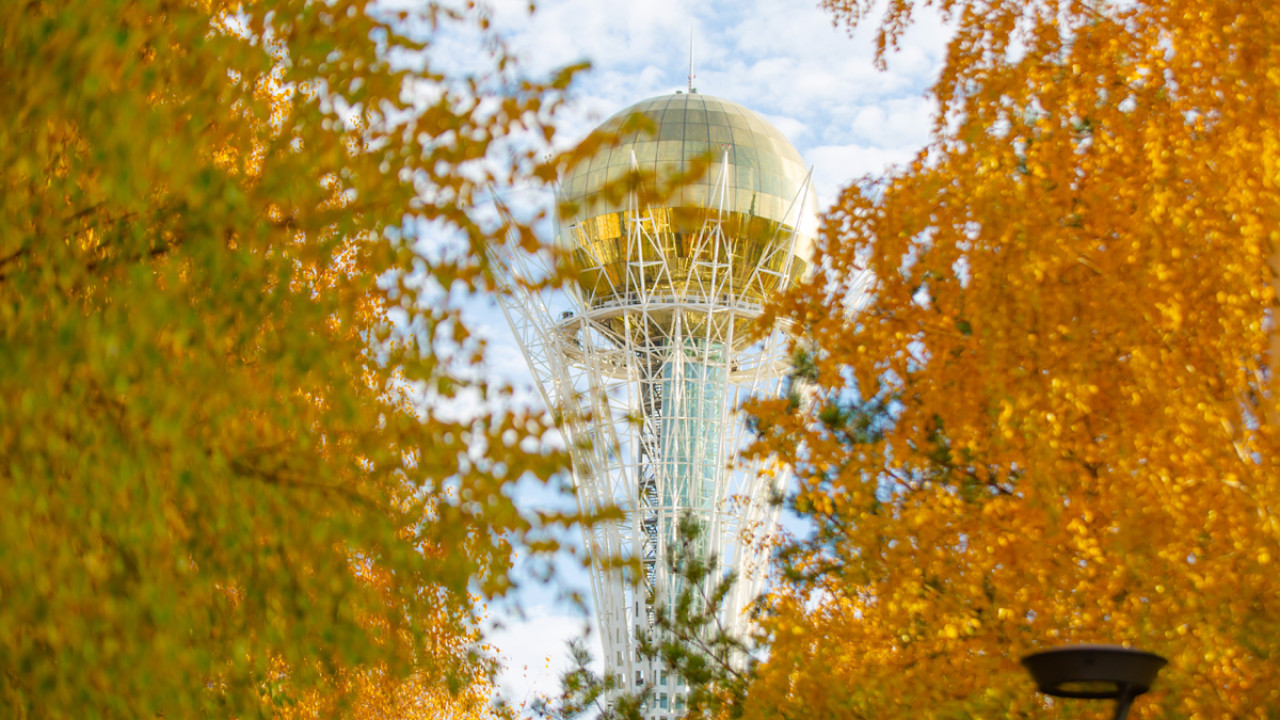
(229, 485)
(1053, 417)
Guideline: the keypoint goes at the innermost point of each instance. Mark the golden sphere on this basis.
(750, 190)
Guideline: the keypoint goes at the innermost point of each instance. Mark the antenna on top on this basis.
(691, 90)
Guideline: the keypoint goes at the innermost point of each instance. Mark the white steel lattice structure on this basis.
(659, 349)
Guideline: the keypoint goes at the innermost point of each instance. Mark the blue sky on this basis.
(781, 58)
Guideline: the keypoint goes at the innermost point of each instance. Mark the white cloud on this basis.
(842, 164)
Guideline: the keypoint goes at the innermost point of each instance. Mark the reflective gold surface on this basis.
(754, 196)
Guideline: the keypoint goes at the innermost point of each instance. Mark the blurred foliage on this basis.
(230, 486)
(1054, 417)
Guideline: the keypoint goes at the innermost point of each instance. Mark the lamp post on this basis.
(1095, 671)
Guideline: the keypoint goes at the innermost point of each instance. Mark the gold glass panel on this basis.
(764, 175)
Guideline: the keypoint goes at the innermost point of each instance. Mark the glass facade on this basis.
(693, 396)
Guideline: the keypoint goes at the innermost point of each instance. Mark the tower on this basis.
(658, 347)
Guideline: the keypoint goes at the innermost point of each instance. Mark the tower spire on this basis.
(691, 90)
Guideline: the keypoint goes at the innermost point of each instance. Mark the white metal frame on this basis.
(651, 417)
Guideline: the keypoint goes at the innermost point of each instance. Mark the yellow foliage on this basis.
(1064, 422)
(217, 473)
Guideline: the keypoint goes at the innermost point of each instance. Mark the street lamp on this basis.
(1095, 671)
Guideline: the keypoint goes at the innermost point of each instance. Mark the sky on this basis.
(782, 58)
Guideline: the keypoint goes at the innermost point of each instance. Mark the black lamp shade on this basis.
(1093, 671)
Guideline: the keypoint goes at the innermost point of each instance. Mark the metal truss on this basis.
(646, 375)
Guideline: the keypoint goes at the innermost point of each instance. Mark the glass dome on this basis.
(765, 171)
(752, 192)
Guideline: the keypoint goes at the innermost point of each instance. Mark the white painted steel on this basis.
(650, 412)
